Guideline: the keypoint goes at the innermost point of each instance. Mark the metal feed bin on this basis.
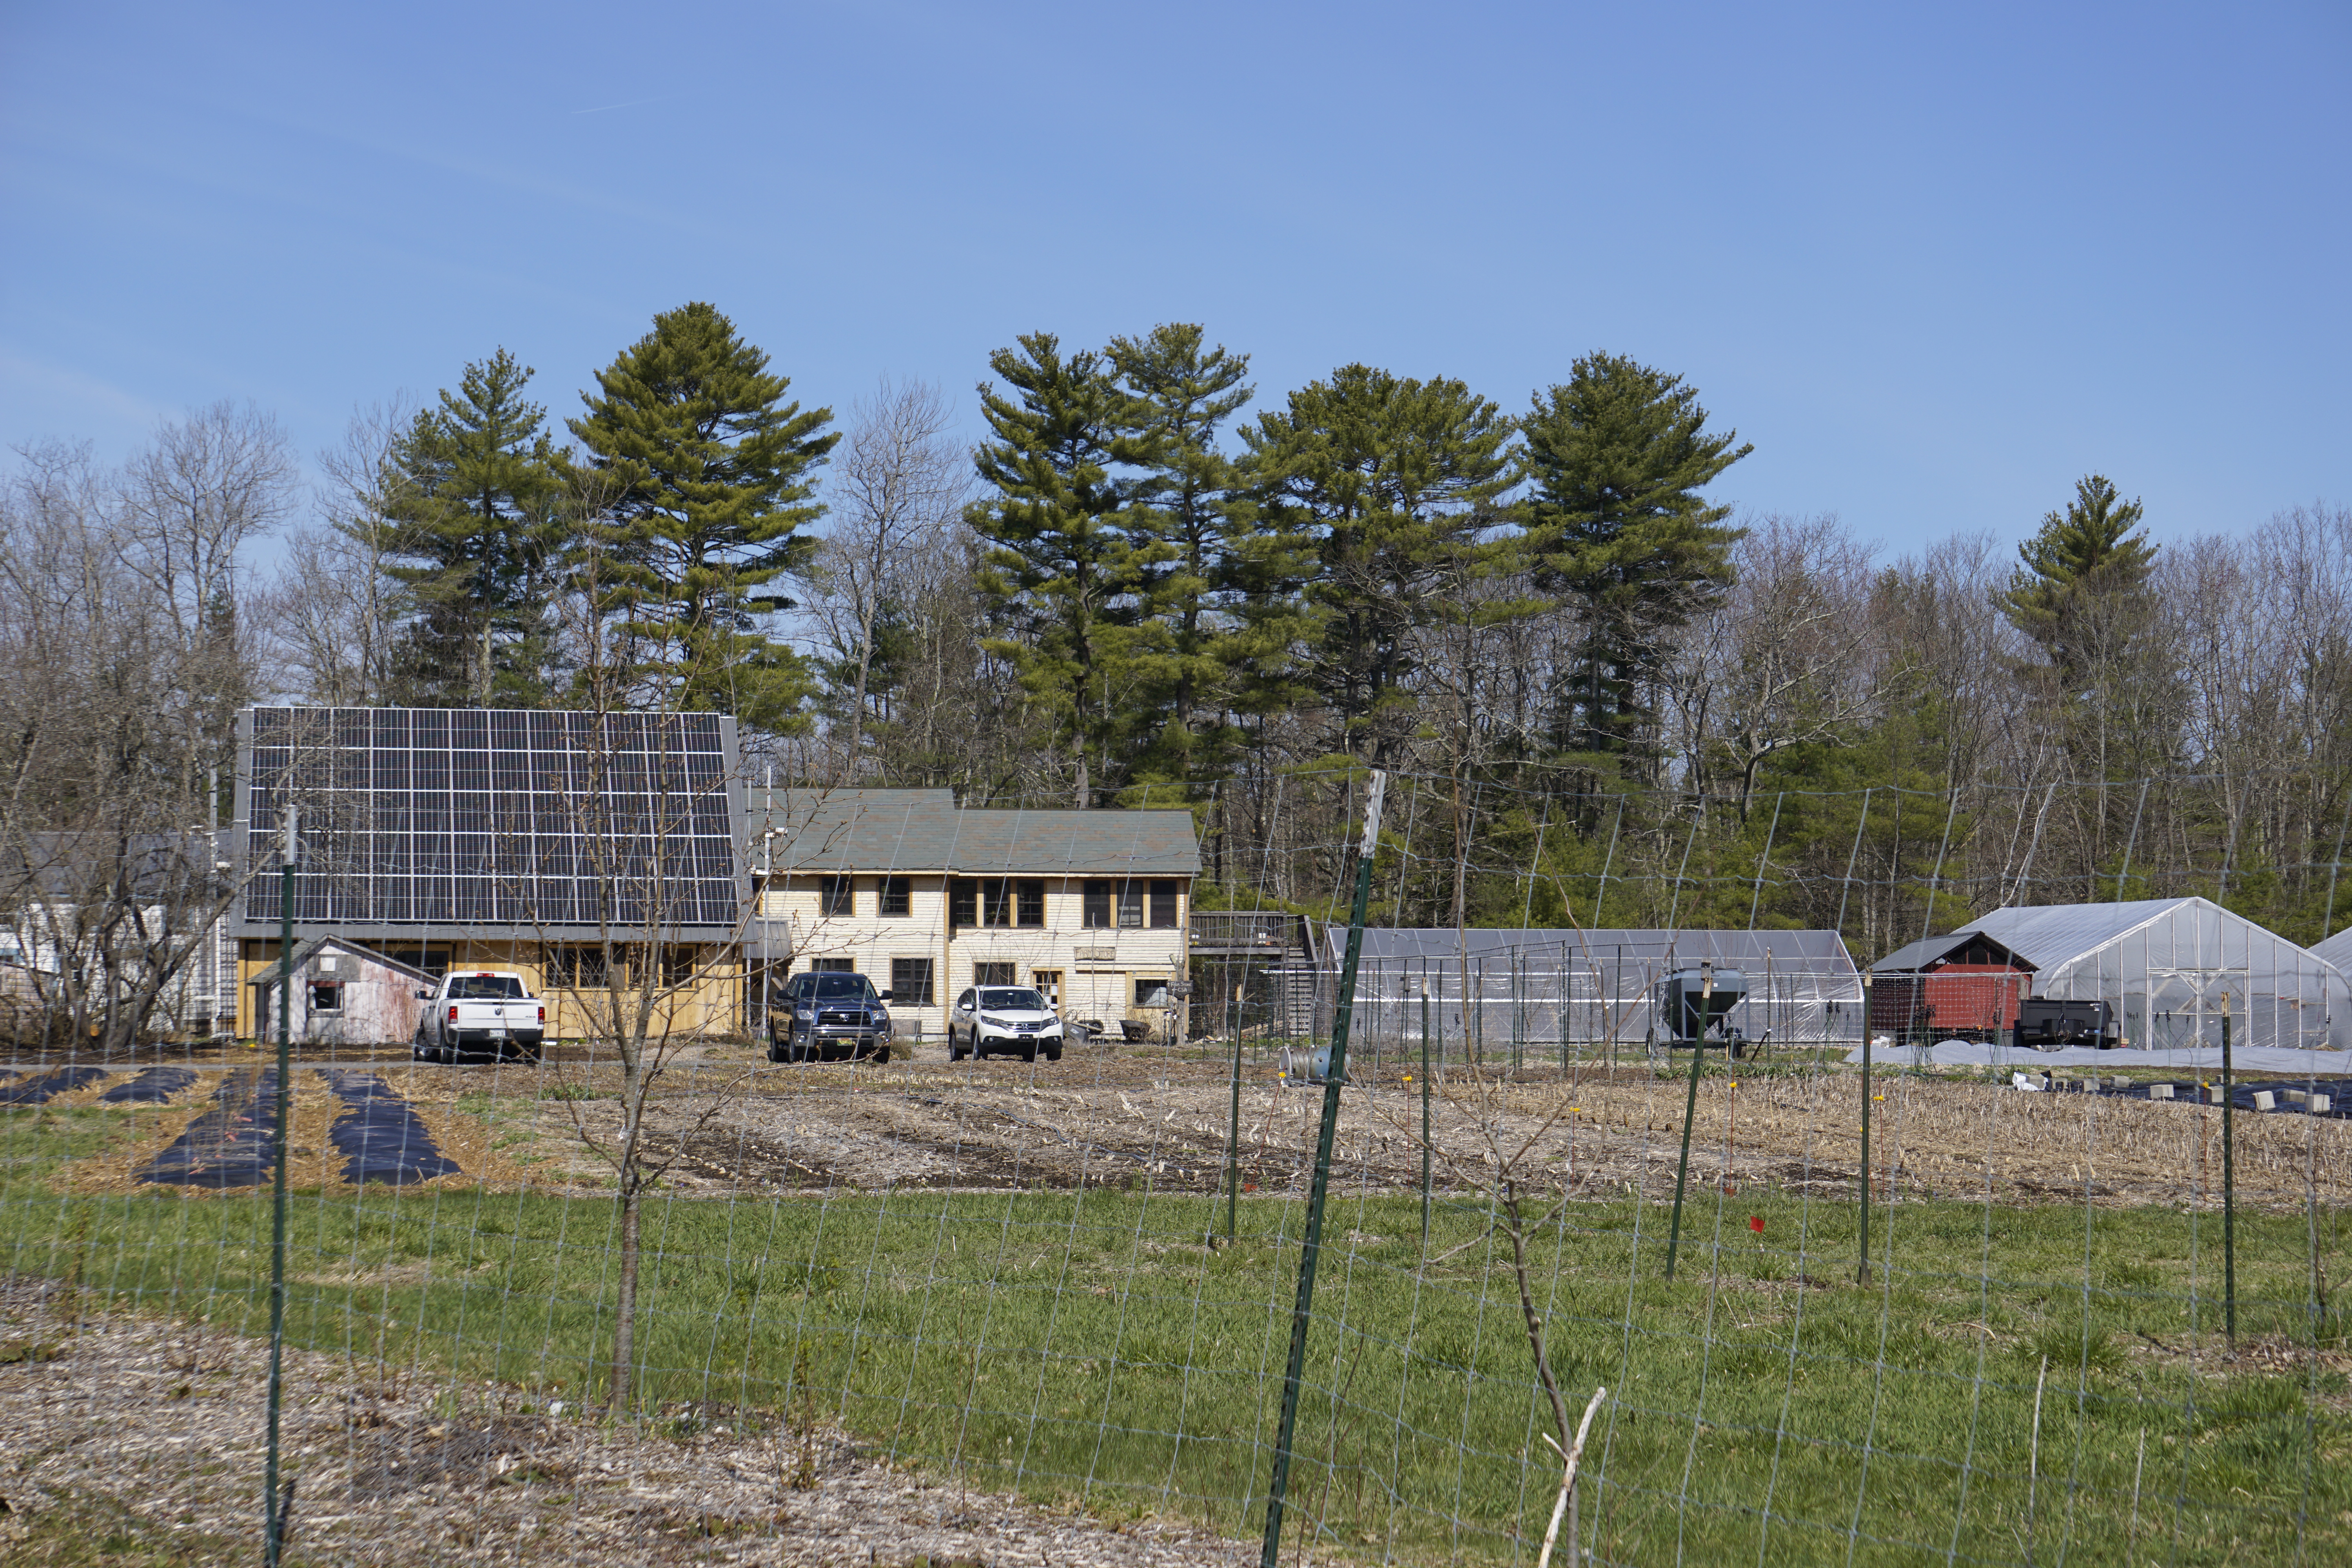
(1687, 1009)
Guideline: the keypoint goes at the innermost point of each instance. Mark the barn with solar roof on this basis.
(593, 852)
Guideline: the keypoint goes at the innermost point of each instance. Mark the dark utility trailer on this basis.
(1688, 1009)
(2047, 1024)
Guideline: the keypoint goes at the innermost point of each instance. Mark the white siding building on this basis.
(925, 898)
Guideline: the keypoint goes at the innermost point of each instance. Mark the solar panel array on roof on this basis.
(544, 822)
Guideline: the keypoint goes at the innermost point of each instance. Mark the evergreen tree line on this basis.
(1603, 696)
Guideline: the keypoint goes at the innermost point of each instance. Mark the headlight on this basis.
(996, 1023)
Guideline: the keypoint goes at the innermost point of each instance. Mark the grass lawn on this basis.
(1088, 1346)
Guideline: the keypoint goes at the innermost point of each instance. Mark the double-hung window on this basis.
(996, 901)
(836, 896)
(910, 982)
(1109, 903)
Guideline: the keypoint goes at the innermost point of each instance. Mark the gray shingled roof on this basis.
(1917, 955)
(925, 830)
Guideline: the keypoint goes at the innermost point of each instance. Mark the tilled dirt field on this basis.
(723, 1119)
(152, 1432)
(1165, 1125)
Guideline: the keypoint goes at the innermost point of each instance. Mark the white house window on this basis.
(326, 996)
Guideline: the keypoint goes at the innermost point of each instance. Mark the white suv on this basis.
(1008, 1018)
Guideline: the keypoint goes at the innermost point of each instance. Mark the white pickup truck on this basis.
(480, 1012)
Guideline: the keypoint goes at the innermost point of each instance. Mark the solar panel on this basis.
(545, 823)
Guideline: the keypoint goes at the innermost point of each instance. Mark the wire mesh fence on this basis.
(1980, 1305)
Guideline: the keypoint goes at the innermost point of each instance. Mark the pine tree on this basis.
(1183, 393)
(1617, 529)
(1074, 554)
(472, 496)
(714, 474)
(1394, 485)
(2086, 559)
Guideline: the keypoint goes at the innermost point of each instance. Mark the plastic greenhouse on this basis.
(2168, 967)
(1515, 994)
(2336, 949)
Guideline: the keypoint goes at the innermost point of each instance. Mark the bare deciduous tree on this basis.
(334, 613)
(899, 484)
(1782, 660)
(123, 661)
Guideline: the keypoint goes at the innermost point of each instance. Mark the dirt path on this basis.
(154, 1433)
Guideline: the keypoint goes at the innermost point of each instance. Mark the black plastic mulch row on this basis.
(229, 1145)
(40, 1091)
(154, 1086)
(382, 1134)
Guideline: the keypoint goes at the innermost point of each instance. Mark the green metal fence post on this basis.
(1690, 1106)
(1862, 1275)
(1424, 1113)
(1233, 1129)
(1278, 1488)
(2229, 1190)
(273, 1523)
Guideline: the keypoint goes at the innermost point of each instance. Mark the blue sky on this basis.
(1934, 262)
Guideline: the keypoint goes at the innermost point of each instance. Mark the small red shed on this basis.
(1963, 986)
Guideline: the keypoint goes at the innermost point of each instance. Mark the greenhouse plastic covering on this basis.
(1529, 988)
(2170, 967)
(2336, 949)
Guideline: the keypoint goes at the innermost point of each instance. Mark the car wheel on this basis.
(955, 1052)
(881, 1056)
(1029, 1050)
(1053, 1053)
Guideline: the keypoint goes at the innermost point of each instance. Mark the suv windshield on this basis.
(1015, 1000)
(842, 988)
(485, 988)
